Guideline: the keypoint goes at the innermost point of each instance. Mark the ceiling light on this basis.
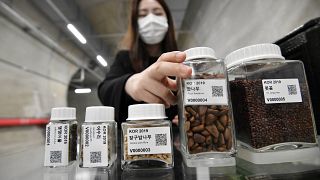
(82, 90)
(102, 61)
(76, 33)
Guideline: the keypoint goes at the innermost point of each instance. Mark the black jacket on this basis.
(111, 90)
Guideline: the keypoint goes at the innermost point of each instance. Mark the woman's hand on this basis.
(153, 85)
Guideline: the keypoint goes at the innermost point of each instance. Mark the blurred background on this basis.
(42, 63)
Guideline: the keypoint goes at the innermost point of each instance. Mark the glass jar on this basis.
(98, 138)
(146, 138)
(61, 137)
(205, 113)
(271, 101)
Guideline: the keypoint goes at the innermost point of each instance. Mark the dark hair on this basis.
(132, 40)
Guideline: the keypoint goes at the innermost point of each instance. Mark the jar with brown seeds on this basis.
(205, 113)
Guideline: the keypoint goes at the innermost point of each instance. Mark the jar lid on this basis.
(63, 113)
(200, 52)
(254, 52)
(99, 114)
(146, 112)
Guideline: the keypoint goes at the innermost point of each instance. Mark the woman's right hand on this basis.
(153, 85)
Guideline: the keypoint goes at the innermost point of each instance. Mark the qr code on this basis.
(161, 139)
(55, 156)
(292, 89)
(217, 91)
(95, 157)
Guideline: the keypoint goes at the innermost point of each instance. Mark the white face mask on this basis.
(152, 28)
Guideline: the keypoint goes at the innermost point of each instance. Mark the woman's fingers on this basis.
(170, 83)
(160, 90)
(159, 70)
(149, 97)
(175, 57)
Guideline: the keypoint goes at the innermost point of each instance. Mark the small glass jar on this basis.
(271, 100)
(205, 113)
(98, 147)
(146, 138)
(61, 137)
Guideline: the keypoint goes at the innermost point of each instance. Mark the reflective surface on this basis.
(27, 164)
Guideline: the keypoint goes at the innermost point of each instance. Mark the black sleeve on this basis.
(111, 90)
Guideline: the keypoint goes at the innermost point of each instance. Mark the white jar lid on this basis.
(63, 113)
(99, 114)
(254, 52)
(200, 52)
(146, 112)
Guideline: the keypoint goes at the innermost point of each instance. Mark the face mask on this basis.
(152, 28)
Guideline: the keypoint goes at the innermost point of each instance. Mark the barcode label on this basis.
(56, 145)
(292, 89)
(95, 157)
(217, 91)
(161, 139)
(55, 156)
(95, 145)
(150, 140)
(281, 91)
(205, 92)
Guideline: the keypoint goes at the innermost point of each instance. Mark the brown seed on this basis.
(191, 111)
(195, 123)
(189, 133)
(198, 138)
(223, 107)
(202, 110)
(210, 119)
(205, 133)
(213, 107)
(190, 142)
(227, 134)
(224, 120)
(221, 149)
(203, 119)
(198, 128)
(192, 119)
(213, 130)
(219, 126)
(215, 140)
(186, 114)
(208, 140)
(213, 111)
(198, 149)
(229, 144)
(194, 146)
(221, 140)
(224, 112)
(187, 125)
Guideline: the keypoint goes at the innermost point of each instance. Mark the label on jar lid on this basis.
(57, 145)
(151, 140)
(95, 145)
(281, 91)
(205, 92)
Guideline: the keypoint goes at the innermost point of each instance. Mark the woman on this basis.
(141, 73)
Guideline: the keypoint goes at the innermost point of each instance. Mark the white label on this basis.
(281, 91)
(95, 145)
(154, 140)
(205, 92)
(57, 145)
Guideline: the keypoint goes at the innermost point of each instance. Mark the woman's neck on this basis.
(154, 50)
